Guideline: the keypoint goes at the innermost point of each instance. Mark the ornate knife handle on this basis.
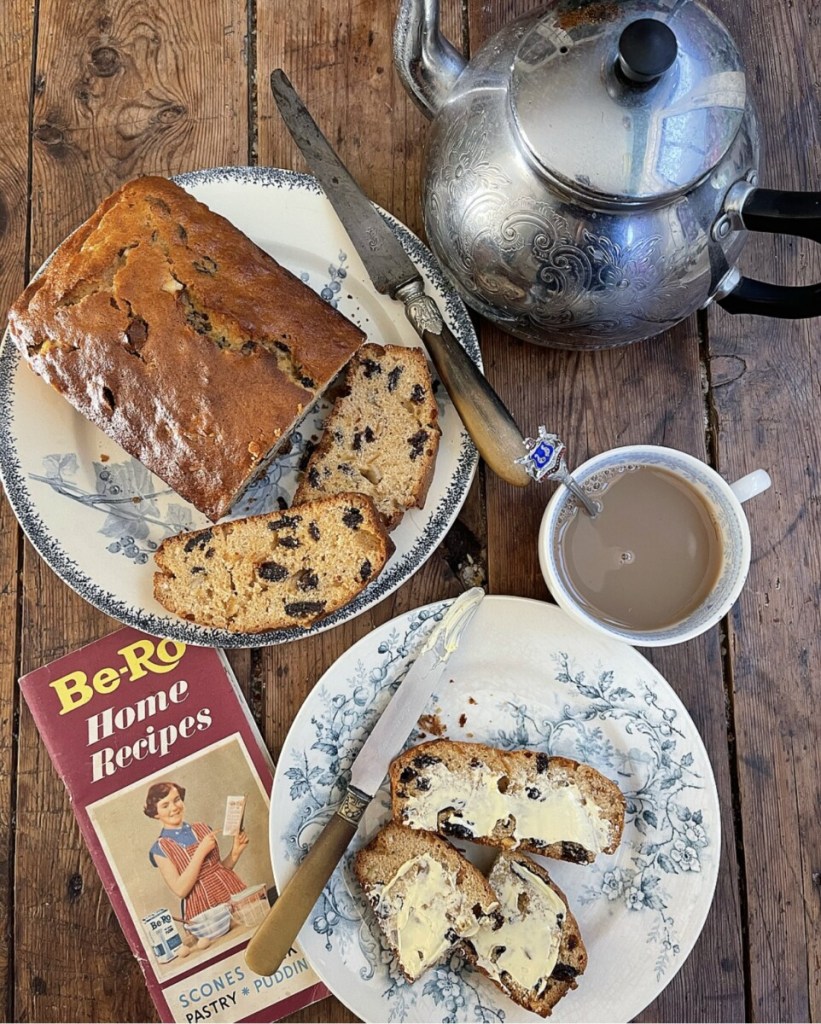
(487, 420)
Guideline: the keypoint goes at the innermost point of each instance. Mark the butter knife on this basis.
(270, 943)
(487, 420)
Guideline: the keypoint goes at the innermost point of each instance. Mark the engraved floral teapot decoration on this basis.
(592, 173)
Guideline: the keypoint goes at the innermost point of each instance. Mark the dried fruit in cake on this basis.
(516, 799)
(274, 571)
(537, 953)
(182, 340)
(382, 436)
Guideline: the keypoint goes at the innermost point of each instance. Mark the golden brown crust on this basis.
(525, 765)
(182, 340)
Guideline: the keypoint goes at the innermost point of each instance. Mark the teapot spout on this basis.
(428, 65)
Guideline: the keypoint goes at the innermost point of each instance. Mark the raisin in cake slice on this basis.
(426, 896)
(274, 571)
(537, 953)
(382, 435)
(518, 799)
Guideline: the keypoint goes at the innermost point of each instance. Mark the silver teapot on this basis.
(592, 172)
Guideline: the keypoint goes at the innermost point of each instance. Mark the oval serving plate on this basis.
(525, 676)
(96, 515)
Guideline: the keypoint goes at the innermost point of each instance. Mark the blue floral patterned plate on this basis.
(96, 515)
(526, 676)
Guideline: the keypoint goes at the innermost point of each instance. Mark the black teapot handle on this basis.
(780, 213)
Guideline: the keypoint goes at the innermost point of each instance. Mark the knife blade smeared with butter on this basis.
(275, 936)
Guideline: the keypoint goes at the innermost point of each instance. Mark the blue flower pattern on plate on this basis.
(671, 834)
(36, 489)
(667, 836)
(125, 493)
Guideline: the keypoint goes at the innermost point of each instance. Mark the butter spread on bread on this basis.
(528, 946)
(412, 905)
(537, 953)
(425, 895)
(511, 799)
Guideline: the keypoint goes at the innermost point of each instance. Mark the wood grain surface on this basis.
(99, 92)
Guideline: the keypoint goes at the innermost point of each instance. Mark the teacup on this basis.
(667, 555)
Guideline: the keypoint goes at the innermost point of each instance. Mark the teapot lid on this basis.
(627, 101)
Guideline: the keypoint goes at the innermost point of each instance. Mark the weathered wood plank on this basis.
(765, 399)
(646, 393)
(15, 62)
(339, 58)
(122, 90)
(133, 88)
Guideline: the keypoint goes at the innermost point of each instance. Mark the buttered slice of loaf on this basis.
(382, 435)
(425, 895)
(274, 571)
(518, 799)
(537, 953)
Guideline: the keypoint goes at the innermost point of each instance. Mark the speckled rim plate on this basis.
(526, 675)
(96, 515)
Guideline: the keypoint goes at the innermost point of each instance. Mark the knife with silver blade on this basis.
(270, 943)
(487, 420)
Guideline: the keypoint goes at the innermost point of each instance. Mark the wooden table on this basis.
(98, 92)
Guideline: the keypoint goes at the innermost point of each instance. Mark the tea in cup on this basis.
(667, 553)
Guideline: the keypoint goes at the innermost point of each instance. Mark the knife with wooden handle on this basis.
(270, 943)
(487, 420)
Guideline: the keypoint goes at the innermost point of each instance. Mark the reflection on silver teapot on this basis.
(592, 172)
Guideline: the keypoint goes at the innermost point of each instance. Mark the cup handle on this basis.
(751, 484)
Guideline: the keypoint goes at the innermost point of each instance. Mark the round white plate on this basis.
(525, 676)
(96, 515)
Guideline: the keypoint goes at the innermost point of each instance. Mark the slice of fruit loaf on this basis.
(426, 896)
(274, 571)
(517, 799)
(382, 435)
(537, 953)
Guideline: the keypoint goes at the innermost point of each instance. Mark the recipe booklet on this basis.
(170, 780)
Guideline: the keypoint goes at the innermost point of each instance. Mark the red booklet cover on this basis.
(170, 782)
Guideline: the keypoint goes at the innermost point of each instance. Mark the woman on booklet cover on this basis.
(187, 855)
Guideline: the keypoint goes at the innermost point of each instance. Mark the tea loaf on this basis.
(426, 896)
(382, 435)
(537, 953)
(179, 338)
(274, 571)
(517, 799)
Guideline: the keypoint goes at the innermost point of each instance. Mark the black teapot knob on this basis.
(647, 48)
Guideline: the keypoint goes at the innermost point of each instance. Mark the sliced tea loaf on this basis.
(425, 895)
(537, 953)
(518, 799)
(276, 570)
(181, 339)
(382, 436)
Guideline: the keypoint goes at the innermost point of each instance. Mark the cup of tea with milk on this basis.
(666, 553)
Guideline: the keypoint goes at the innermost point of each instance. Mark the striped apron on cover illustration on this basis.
(216, 884)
